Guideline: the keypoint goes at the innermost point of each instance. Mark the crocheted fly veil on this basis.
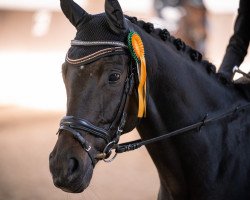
(94, 32)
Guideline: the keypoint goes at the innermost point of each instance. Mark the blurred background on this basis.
(34, 38)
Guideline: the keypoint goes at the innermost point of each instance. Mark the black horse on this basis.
(207, 159)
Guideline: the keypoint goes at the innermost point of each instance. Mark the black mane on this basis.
(165, 36)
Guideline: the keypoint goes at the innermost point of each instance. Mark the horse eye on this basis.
(113, 78)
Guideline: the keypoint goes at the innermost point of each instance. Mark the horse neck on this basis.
(180, 92)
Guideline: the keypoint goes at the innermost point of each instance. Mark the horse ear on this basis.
(73, 12)
(115, 16)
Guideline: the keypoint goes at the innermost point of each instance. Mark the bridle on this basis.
(111, 136)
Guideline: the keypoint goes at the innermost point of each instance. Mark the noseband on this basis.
(111, 136)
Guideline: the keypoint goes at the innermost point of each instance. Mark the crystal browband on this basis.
(98, 43)
(115, 47)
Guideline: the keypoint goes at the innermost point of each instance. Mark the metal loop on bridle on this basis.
(108, 152)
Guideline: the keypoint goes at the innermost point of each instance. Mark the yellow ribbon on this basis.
(138, 48)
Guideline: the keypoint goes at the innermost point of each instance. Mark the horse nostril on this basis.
(73, 165)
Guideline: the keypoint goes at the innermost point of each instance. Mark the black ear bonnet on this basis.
(110, 26)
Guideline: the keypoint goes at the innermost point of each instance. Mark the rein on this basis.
(133, 145)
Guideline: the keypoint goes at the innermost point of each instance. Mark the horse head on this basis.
(104, 75)
(99, 76)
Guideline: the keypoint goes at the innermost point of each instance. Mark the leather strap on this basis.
(82, 124)
(129, 146)
(85, 145)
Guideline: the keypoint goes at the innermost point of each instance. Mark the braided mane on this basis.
(164, 35)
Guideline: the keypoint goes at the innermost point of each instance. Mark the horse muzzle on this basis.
(70, 171)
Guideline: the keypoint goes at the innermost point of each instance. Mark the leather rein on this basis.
(111, 136)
